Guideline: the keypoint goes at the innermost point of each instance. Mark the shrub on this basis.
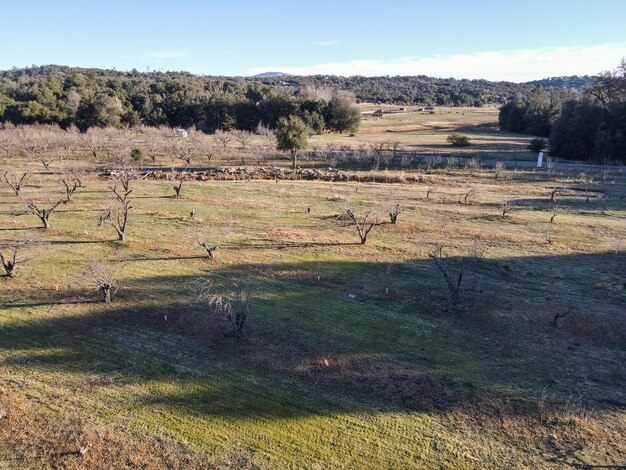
(536, 145)
(458, 140)
(136, 155)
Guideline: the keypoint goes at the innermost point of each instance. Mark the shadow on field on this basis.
(355, 337)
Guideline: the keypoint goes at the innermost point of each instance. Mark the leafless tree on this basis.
(556, 208)
(363, 226)
(117, 217)
(211, 239)
(79, 176)
(8, 139)
(9, 261)
(506, 207)
(394, 147)
(16, 182)
(72, 181)
(11, 255)
(498, 169)
(178, 179)
(232, 303)
(222, 138)
(394, 211)
(244, 138)
(95, 140)
(152, 144)
(378, 151)
(35, 140)
(468, 194)
(124, 176)
(188, 148)
(473, 165)
(43, 212)
(104, 276)
(453, 280)
(554, 193)
(432, 161)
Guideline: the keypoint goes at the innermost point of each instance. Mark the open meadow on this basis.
(485, 329)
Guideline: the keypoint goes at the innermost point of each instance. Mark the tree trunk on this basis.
(121, 236)
(46, 223)
(294, 159)
(106, 293)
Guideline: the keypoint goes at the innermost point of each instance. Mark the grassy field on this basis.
(426, 133)
(352, 355)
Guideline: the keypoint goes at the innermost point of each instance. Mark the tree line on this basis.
(580, 126)
(421, 89)
(89, 98)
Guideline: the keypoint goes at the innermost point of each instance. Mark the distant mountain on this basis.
(271, 75)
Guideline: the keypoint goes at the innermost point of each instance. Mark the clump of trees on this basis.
(90, 99)
(581, 126)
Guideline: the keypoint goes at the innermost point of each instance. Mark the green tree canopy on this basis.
(292, 135)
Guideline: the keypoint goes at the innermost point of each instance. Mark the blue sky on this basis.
(517, 40)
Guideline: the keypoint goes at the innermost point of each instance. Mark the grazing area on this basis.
(450, 317)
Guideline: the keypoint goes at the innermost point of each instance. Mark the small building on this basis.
(181, 133)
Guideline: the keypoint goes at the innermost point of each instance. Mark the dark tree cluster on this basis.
(90, 98)
(587, 126)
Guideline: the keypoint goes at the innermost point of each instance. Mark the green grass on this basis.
(369, 367)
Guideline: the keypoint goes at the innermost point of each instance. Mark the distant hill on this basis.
(574, 82)
(270, 75)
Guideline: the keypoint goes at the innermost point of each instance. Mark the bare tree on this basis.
(9, 261)
(468, 194)
(124, 176)
(556, 208)
(506, 207)
(244, 138)
(178, 179)
(453, 280)
(232, 303)
(554, 192)
(394, 211)
(104, 276)
(11, 256)
(187, 148)
(79, 176)
(212, 239)
(223, 138)
(72, 181)
(8, 138)
(117, 217)
(16, 182)
(498, 169)
(95, 140)
(363, 226)
(43, 212)
(378, 151)
(35, 140)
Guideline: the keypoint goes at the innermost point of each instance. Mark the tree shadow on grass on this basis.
(313, 349)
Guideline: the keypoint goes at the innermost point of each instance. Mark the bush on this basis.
(458, 140)
(136, 155)
(537, 145)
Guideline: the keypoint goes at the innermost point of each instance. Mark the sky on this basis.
(495, 40)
